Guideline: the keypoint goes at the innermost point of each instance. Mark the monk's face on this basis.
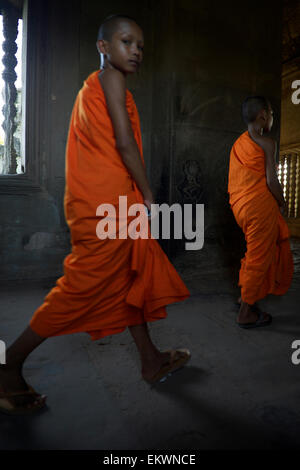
(125, 49)
(269, 118)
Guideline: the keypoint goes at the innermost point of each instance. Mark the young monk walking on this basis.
(257, 201)
(108, 284)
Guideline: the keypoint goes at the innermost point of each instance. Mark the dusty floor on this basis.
(239, 391)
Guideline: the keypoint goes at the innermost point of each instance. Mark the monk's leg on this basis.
(11, 378)
(261, 232)
(246, 314)
(151, 358)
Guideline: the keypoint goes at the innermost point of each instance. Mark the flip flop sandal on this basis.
(183, 356)
(261, 321)
(8, 406)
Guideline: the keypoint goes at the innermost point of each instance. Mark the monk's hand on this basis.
(148, 201)
(148, 206)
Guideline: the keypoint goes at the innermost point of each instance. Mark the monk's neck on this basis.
(105, 65)
(255, 129)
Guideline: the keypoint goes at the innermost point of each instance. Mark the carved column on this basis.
(292, 184)
(297, 188)
(10, 32)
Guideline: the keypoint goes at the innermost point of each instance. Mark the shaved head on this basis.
(252, 106)
(110, 26)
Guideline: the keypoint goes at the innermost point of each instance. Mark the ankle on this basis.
(149, 357)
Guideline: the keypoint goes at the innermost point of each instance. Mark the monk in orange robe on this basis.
(257, 202)
(109, 284)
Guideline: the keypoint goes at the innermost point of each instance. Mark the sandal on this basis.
(261, 321)
(178, 358)
(8, 406)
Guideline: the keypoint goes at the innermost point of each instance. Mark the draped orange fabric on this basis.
(108, 284)
(267, 267)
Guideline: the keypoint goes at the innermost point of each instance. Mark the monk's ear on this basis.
(101, 46)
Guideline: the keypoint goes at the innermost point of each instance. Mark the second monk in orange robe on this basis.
(256, 199)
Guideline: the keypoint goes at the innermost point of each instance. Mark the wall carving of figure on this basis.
(191, 188)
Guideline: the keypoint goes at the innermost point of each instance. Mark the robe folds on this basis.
(107, 284)
(267, 267)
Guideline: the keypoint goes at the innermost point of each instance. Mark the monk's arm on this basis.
(270, 148)
(114, 87)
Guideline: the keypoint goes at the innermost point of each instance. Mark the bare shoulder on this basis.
(112, 79)
(267, 143)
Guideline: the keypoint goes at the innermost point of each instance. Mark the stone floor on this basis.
(240, 390)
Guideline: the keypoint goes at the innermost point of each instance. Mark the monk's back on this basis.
(247, 174)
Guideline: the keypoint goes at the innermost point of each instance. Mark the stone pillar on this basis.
(10, 32)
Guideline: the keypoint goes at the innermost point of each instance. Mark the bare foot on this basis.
(152, 366)
(168, 362)
(249, 313)
(11, 380)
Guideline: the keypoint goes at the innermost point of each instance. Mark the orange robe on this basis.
(108, 284)
(267, 267)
